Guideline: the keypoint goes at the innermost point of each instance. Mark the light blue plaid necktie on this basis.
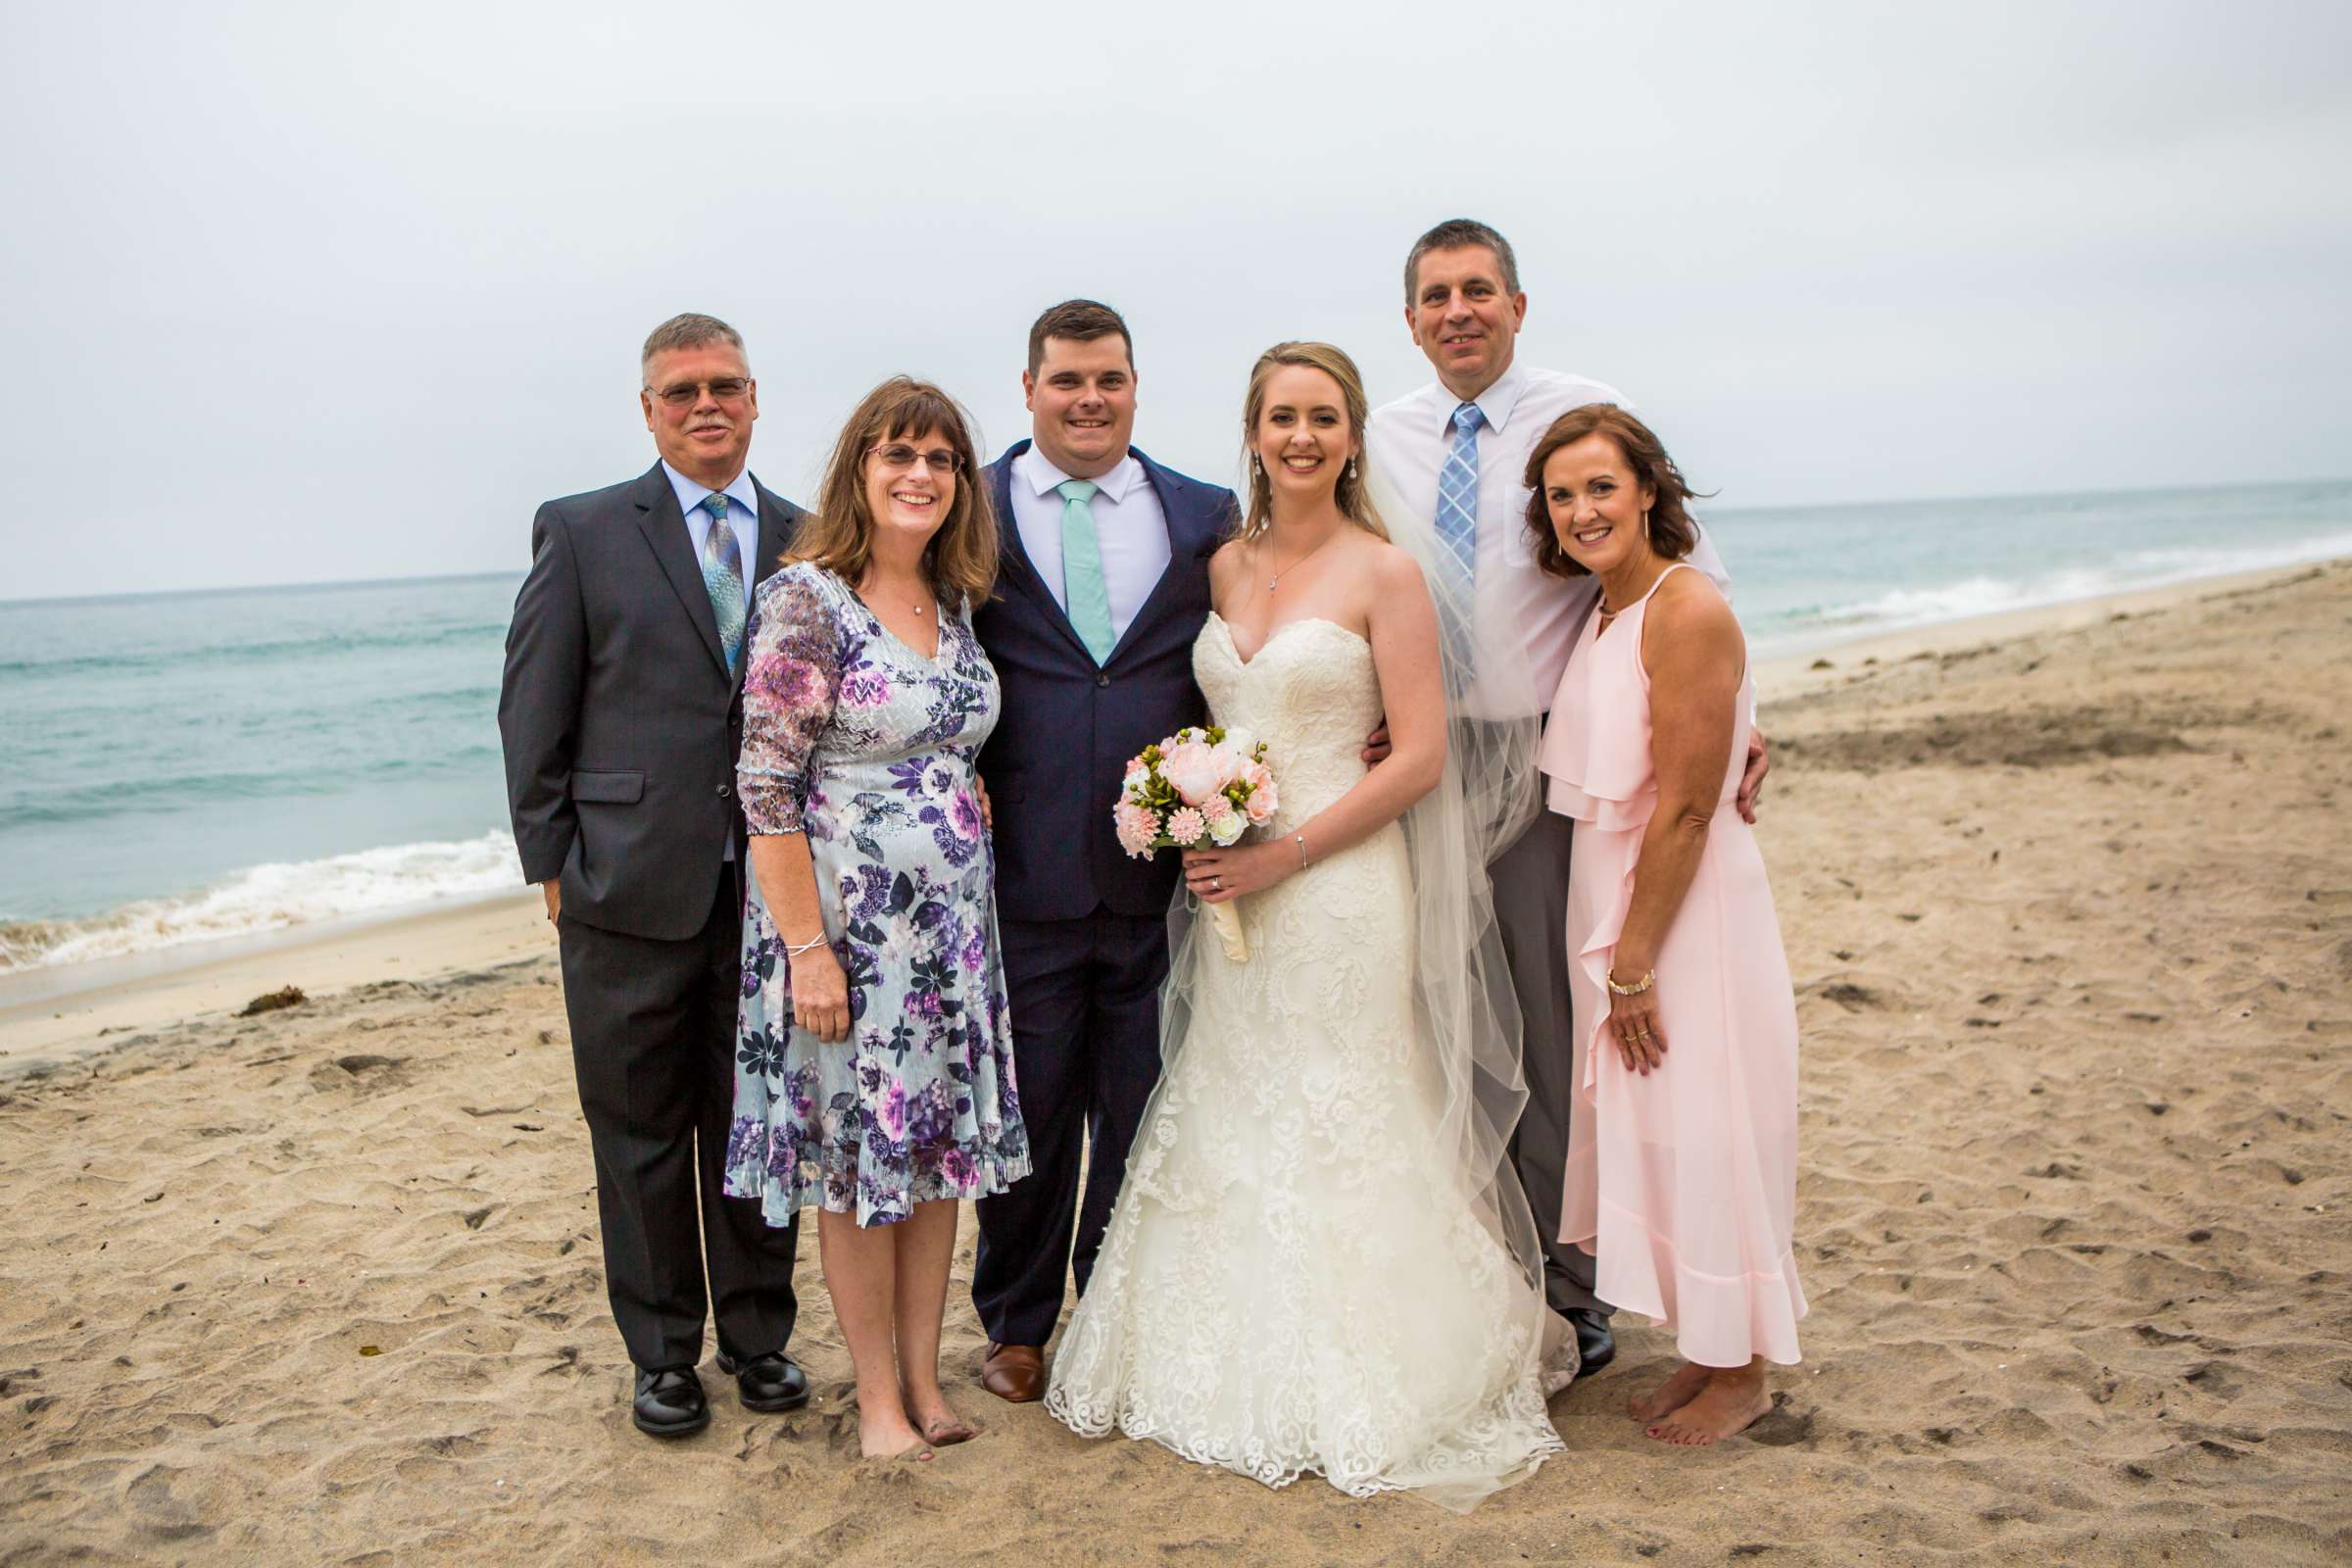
(722, 575)
(1458, 490)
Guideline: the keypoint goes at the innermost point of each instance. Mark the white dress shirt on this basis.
(1410, 439)
(743, 515)
(1129, 525)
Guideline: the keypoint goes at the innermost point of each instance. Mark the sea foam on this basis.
(268, 898)
(1984, 593)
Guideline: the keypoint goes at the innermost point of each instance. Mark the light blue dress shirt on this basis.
(1131, 527)
(743, 515)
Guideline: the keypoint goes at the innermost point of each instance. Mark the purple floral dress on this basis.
(858, 740)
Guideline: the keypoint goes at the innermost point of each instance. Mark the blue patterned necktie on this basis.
(1083, 591)
(722, 575)
(1458, 490)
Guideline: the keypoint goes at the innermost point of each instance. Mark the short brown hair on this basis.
(686, 332)
(1672, 534)
(1460, 234)
(1080, 321)
(960, 561)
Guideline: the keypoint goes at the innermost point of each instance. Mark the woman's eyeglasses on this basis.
(897, 456)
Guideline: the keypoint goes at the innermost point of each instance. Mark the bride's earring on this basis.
(1350, 468)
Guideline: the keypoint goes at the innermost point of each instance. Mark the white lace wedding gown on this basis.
(1286, 1286)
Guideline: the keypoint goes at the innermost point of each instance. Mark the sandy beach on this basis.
(2068, 897)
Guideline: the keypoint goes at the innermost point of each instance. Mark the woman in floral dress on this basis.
(875, 1062)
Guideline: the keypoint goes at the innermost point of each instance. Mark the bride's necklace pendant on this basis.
(1275, 581)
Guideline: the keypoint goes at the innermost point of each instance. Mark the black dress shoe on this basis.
(1595, 1346)
(671, 1404)
(768, 1383)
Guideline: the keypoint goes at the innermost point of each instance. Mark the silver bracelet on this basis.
(1300, 839)
(794, 952)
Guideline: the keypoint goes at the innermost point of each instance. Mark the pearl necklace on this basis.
(919, 608)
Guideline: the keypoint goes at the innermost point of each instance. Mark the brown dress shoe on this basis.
(1014, 1373)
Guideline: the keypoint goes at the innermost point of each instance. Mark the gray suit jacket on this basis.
(619, 720)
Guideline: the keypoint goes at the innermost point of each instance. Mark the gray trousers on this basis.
(1531, 908)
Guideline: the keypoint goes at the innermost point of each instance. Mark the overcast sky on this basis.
(316, 291)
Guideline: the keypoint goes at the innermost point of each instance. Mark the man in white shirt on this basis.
(1482, 416)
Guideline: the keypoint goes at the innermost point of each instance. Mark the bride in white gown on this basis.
(1320, 1261)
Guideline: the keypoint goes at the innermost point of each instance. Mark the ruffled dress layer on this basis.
(1685, 1187)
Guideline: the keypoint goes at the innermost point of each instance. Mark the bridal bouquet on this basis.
(1198, 787)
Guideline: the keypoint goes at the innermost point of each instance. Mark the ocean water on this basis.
(194, 765)
(1807, 577)
(189, 766)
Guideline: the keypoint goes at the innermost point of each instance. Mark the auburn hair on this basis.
(960, 563)
(1672, 534)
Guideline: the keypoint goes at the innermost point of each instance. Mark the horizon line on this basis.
(1787, 505)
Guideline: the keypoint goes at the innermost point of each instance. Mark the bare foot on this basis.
(889, 1436)
(1669, 1396)
(937, 1419)
(947, 1433)
(1733, 1398)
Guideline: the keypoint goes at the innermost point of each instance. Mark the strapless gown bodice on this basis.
(1309, 692)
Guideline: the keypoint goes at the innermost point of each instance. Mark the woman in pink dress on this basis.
(1686, 1191)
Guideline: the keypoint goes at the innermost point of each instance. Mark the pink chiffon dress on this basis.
(1681, 1184)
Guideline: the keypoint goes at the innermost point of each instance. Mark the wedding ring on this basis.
(1216, 883)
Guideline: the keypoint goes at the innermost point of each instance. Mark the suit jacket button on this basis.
(1102, 680)
(725, 791)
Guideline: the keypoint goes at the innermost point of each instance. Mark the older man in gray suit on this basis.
(622, 711)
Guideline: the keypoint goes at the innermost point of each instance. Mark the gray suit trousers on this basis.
(1531, 908)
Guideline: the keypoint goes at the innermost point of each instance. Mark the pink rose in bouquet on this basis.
(1263, 803)
(1193, 769)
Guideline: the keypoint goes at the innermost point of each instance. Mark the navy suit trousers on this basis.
(1085, 997)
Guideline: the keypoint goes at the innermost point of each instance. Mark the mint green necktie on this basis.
(1082, 588)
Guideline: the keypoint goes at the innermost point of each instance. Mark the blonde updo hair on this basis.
(1349, 491)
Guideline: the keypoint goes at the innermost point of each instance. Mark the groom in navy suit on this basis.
(1103, 587)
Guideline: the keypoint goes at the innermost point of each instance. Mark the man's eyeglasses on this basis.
(686, 394)
(897, 456)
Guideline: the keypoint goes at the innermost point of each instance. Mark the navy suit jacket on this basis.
(1070, 728)
(619, 720)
